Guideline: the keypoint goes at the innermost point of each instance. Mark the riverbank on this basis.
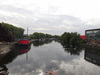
(5, 47)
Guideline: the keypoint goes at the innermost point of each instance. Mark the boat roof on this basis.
(24, 39)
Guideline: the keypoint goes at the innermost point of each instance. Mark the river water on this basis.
(51, 55)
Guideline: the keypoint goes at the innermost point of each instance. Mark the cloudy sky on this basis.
(51, 16)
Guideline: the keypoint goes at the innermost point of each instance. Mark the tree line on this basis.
(71, 39)
(9, 32)
(38, 35)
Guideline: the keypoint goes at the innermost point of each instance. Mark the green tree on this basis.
(73, 42)
(70, 39)
(66, 37)
(5, 35)
(16, 31)
(38, 35)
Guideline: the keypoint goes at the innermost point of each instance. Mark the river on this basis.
(51, 55)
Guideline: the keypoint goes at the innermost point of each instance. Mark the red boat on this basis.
(23, 42)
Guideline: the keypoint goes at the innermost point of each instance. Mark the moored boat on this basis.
(23, 42)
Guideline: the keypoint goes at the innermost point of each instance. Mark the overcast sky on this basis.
(51, 16)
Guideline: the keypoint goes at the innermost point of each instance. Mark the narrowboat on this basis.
(23, 42)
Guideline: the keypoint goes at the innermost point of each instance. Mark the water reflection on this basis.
(10, 56)
(5, 59)
(3, 69)
(51, 56)
(41, 59)
(72, 51)
(22, 49)
(92, 56)
(41, 42)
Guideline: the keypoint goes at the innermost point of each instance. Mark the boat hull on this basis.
(23, 42)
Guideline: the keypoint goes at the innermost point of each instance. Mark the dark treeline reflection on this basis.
(5, 59)
(41, 42)
(10, 56)
(92, 55)
(71, 50)
(67, 48)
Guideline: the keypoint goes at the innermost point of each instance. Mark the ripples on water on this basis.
(50, 55)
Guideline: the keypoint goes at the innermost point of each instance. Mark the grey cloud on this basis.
(58, 23)
(12, 9)
(53, 24)
(37, 22)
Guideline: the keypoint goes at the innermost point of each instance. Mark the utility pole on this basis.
(27, 31)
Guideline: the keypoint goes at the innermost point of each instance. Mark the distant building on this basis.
(93, 35)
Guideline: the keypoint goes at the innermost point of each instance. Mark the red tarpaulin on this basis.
(82, 37)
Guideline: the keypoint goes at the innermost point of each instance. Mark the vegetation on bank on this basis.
(71, 39)
(9, 32)
(38, 35)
